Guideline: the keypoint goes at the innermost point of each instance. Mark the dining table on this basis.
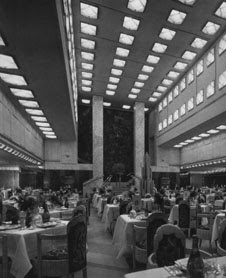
(164, 272)
(111, 212)
(22, 243)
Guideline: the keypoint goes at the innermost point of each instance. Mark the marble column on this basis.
(139, 132)
(98, 154)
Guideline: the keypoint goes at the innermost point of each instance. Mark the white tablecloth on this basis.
(22, 246)
(147, 203)
(123, 234)
(110, 213)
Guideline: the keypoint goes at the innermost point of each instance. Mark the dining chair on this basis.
(221, 241)
(139, 245)
(67, 252)
(184, 219)
(154, 221)
(204, 227)
(4, 260)
(85, 202)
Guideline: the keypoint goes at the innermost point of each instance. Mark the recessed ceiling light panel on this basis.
(88, 29)
(187, 2)
(176, 17)
(86, 89)
(86, 82)
(143, 77)
(119, 63)
(1, 41)
(116, 72)
(173, 74)
(87, 56)
(152, 99)
(87, 66)
(21, 93)
(110, 93)
(126, 39)
(88, 43)
(221, 11)
(167, 34)
(107, 104)
(114, 80)
(153, 59)
(39, 119)
(148, 69)
(29, 103)
(123, 52)
(156, 94)
(198, 43)
(89, 10)
(7, 62)
(167, 82)
(87, 74)
(137, 5)
(85, 101)
(189, 55)
(161, 88)
(126, 106)
(135, 91)
(132, 96)
(210, 28)
(159, 47)
(139, 84)
(180, 65)
(13, 79)
(221, 127)
(35, 112)
(131, 23)
(112, 86)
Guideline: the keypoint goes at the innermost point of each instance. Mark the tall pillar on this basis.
(98, 153)
(139, 133)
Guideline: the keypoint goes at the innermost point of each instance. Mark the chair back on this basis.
(4, 263)
(76, 238)
(169, 245)
(139, 245)
(85, 202)
(154, 221)
(184, 215)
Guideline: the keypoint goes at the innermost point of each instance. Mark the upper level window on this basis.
(165, 102)
(210, 89)
(160, 126)
(222, 80)
(182, 84)
(222, 45)
(160, 106)
(210, 57)
(164, 123)
(190, 76)
(199, 97)
(199, 68)
(170, 119)
(190, 104)
(182, 110)
(170, 97)
(176, 91)
(176, 115)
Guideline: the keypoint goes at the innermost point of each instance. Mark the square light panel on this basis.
(156, 94)
(198, 43)
(161, 88)
(88, 43)
(176, 17)
(88, 29)
(126, 106)
(143, 77)
(213, 131)
(180, 65)
(21, 93)
(167, 34)
(204, 135)
(114, 80)
(35, 112)
(13, 79)
(107, 104)
(221, 11)
(187, 2)
(167, 82)
(7, 62)
(116, 72)
(123, 52)
(89, 10)
(221, 127)
(189, 55)
(1, 41)
(148, 69)
(152, 99)
(87, 66)
(86, 82)
(112, 86)
(131, 23)
(87, 74)
(39, 119)
(210, 28)
(132, 96)
(86, 89)
(29, 103)
(126, 39)
(159, 47)
(87, 56)
(86, 101)
(153, 59)
(139, 84)
(173, 74)
(119, 63)
(137, 5)
(135, 91)
(110, 93)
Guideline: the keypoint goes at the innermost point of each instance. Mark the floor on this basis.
(102, 262)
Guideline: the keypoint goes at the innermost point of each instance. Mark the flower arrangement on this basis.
(27, 203)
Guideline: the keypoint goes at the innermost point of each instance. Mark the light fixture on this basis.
(88, 29)
(7, 62)
(183, 144)
(85, 101)
(196, 138)
(167, 82)
(143, 77)
(204, 135)
(132, 96)
(221, 127)
(153, 59)
(126, 39)
(146, 109)
(159, 47)
(198, 43)
(138, 84)
(51, 136)
(86, 89)
(137, 5)
(87, 74)
(189, 141)
(87, 66)
(29, 103)
(173, 74)
(210, 28)
(87, 56)
(148, 69)
(156, 94)
(35, 112)
(187, 2)
(131, 23)
(126, 106)
(189, 55)
(152, 99)
(123, 52)
(42, 124)
(221, 11)
(45, 128)
(161, 88)
(1, 41)
(13, 79)
(176, 17)
(89, 10)
(48, 132)
(39, 118)
(213, 131)
(21, 93)
(86, 82)
(135, 90)
(177, 146)
(114, 79)
(119, 63)
(88, 43)
(180, 65)
(116, 72)
(107, 104)
(112, 86)
(110, 93)
(167, 34)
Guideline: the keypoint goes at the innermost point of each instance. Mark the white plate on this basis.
(47, 225)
